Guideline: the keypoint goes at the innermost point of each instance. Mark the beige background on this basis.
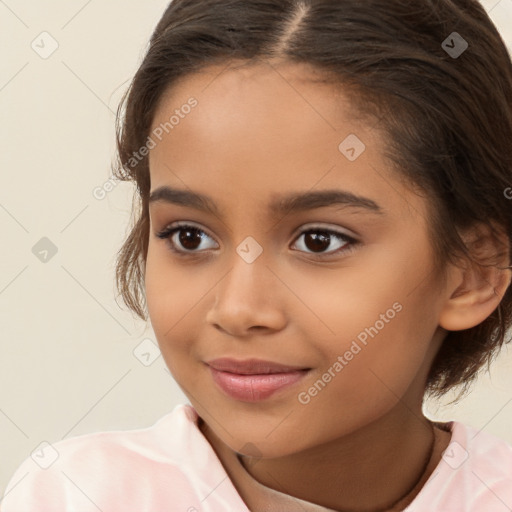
(68, 365)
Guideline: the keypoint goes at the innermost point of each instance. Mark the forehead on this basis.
(279, 105)
(266, 81)
(251, 112)
(257, 131)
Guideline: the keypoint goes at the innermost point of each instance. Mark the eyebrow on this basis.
(291, 203)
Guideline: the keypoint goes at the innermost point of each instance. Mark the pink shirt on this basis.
(171, 467)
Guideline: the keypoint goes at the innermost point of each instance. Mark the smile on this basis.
(255, 387)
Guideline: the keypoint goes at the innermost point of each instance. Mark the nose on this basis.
(249, 298)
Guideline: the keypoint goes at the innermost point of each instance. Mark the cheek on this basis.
(169, 294)
(358, 385)
(344, 303)
(373, 340)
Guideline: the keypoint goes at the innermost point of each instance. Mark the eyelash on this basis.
(167, 233)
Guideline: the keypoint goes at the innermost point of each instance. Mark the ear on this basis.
(474, 291)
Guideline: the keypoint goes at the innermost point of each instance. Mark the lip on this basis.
(251, 366)
(253, 380)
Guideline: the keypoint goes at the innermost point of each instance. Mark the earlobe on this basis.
(476, 291)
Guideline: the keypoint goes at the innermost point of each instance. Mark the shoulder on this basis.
(117, 470)
(489, 458)
(474, 474)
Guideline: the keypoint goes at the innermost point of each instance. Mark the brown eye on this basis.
(318, 241)
(184, 239)
(189, 238)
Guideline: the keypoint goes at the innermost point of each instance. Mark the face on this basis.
(343, 288)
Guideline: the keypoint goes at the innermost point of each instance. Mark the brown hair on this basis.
(448, 118)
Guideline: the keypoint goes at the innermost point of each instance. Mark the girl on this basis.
(322, 240)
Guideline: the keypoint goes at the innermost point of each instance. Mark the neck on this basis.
(365, 471)
(381, 464)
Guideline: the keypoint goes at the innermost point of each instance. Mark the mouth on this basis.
(254, 380)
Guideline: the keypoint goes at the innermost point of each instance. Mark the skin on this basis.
(266, 130)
